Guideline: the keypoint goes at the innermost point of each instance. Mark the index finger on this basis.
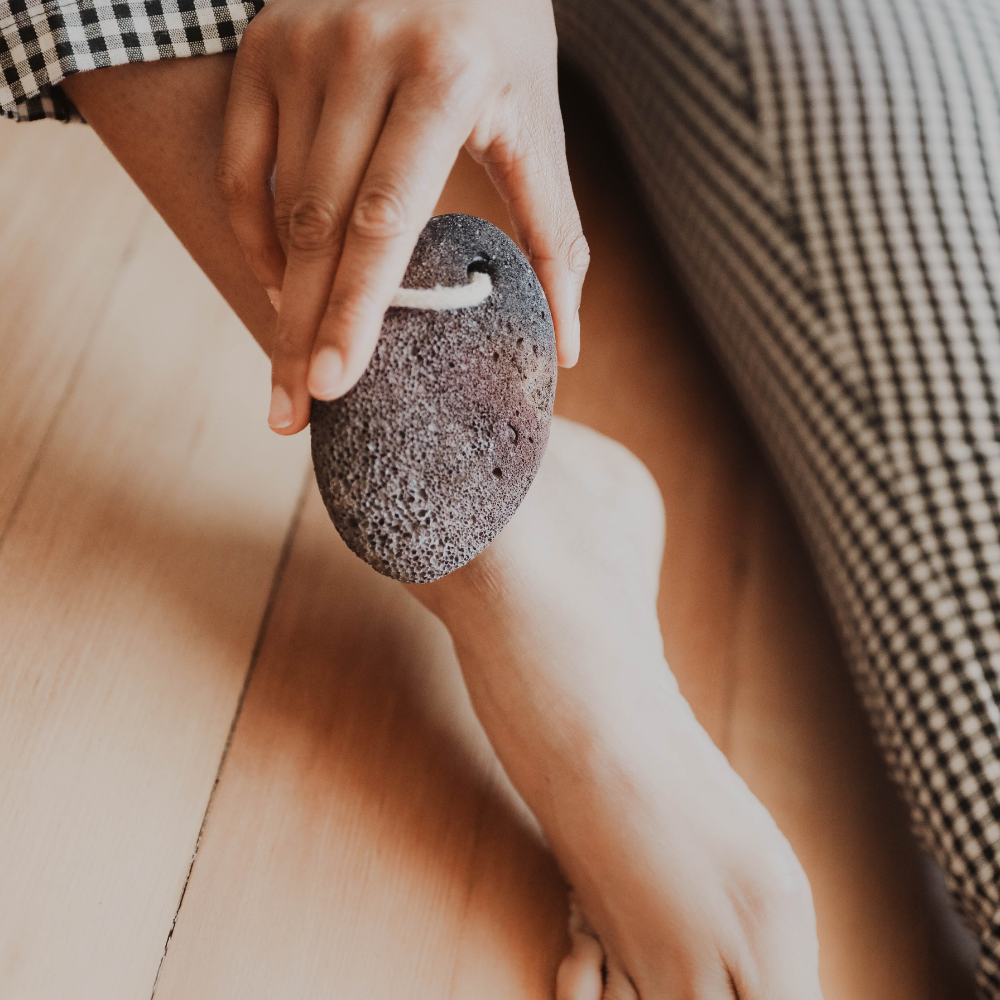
(346, 133)
(404, 179)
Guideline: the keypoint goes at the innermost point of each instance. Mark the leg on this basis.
(678, 868)
(826, 175)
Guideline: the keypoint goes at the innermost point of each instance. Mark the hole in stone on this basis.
(520, 341)
(498, 472)
(479, 263)
(496, 357)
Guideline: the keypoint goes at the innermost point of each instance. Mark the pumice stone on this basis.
(426, 459)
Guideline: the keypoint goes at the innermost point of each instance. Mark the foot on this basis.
(678, 871)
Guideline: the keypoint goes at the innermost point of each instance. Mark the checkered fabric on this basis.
(826, 177)
(42, 43)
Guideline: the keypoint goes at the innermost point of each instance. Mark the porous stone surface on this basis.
(425, 460)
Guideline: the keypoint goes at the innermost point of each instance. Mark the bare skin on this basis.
(360, 108)
(679, 872)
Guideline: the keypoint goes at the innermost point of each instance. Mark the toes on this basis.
(579, 975)
(619, 986)
(778, 957)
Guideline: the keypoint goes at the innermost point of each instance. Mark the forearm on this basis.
(163, 122)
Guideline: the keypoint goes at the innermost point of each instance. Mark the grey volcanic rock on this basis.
(426, 459)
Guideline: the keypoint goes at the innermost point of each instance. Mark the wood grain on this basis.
(134, 578)
(68, 215)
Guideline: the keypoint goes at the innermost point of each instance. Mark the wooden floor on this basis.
(235, 762)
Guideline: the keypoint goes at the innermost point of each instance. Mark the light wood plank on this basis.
(363, 842)
(134, 578)
(67, 216)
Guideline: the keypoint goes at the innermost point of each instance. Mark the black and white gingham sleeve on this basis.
(41, 43)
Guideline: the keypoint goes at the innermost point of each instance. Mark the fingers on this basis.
(579, 975)
(299, 118)
(534, 181)
(316, 223)
(243, 173)
(405, 177)
(399, 92)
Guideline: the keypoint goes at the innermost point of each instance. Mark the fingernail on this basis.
(572, 349)
(274, 294)
(325, 373)
(281, 413)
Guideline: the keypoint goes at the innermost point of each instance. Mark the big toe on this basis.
(579, 976)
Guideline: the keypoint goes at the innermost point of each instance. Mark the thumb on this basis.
(533, 179)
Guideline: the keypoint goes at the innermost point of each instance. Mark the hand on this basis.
(360, 108)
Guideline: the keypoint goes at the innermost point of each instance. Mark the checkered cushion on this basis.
(41, 43)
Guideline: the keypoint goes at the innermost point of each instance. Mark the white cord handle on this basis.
(441, 297)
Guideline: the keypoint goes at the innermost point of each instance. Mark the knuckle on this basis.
(313, 225)
(251, 71)
(287, 346)
(379, 213)
(254, 43)
(304, 40)
(577, 253)
(357, 32)
(282, 217)
(348, 310)
(449, 52)
(232, 180)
